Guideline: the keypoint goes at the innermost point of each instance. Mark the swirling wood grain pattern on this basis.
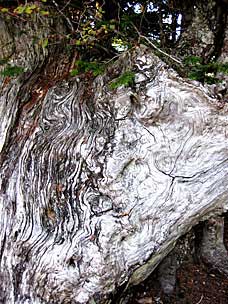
(97, 185)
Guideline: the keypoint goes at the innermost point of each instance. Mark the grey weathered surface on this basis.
(212, 250)
(97, 185)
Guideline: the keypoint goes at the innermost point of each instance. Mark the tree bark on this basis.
(204, 25)
(97, 185)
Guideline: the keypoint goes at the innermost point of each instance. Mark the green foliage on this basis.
(44, 42)
(126, 22)
(12, 71)
(95, 68)
(98, 30)
(92, 34)
(192, 60)
(4, 10)
(206, 73)
(27, 9)
(126, 79)
(44, 13)
(120, 45)
(223, 68)
(92, 26)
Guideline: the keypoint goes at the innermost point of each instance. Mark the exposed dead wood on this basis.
(97, 185)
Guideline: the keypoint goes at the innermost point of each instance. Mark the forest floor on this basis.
(196, 284)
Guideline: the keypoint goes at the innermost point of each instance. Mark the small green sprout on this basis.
(12, 71)
(126, 79)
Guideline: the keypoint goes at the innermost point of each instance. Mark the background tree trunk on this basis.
(98, 185)
(204, 24)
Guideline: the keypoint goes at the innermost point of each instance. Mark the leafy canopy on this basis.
(99, 30)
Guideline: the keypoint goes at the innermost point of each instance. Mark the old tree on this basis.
(113, 144)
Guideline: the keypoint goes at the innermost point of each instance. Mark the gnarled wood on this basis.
(97, 185)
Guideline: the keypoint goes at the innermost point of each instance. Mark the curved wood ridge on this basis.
(97, 185)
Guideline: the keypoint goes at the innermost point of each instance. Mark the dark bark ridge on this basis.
(97, 185)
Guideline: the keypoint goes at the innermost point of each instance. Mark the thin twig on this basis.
(65, 5)
(162, 52)
(79, 21)
(67, 19)
(156, 48)
(16, 16)
(143, 15)
(113, 58)
(73, 61)
(200, 300)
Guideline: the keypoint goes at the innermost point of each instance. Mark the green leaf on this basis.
(74, 72)
(112, 27)
(44, 43)
(19, 10)
(44, 13)
(28, 10)
(4, 10)
(33, 6)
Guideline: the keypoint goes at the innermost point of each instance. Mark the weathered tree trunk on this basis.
(98, 185)
(205, 29)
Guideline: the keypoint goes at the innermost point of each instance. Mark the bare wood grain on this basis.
(99, 190)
